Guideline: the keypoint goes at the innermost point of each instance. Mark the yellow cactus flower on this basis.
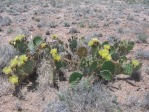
(19, 37)
(7, 70)
(53, 51)
(57, 57)
(104, 53)
(23, 58)
(16, 38)
(43, 45)
(106, 47)
(108, 58)
(135, 62)
(20, 63)
(13, 79)
(93, 41)
(14, 62)
(90, 43)
(54, 36)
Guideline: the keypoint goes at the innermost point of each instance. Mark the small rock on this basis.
(36, 19)
(101, 17)
(116, 22)
(47, 32)
(41, 24)
(73, 30)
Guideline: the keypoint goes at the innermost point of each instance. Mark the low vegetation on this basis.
(102, 60)
(84, 97)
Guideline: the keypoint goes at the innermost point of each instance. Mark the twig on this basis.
(130, 83)
(5, 94)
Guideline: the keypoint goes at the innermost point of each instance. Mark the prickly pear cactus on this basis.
(75, 76)
(73, 44)
(106, 75)
(128, 69)
(108, 65)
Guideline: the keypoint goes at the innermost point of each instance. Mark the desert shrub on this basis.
(142, 54)
(5, 86)
(142, 37)
(146, 101)
(45, 75)
(83, 97)
(135, 103)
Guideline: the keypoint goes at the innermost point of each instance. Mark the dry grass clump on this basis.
(45, 75)
(83, 98)
(142, 54)
(136, 104)
(6, 53)
(146, 101)
(5, 86)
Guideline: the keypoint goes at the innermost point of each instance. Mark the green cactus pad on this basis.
(108, 65)
(29, 67)
(22, 47)
(128, 69)
(73, 44)
(83, 63)
(112, 50)
(60, 64)
(75, 76)
(104, 43)
(37, 41)
(31, 46)
(130, 46)
(106, 75)
(115, 56)
(93, 66)
(122, 59)
(118, 69)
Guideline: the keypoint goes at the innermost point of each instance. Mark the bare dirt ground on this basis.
(101, 19)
